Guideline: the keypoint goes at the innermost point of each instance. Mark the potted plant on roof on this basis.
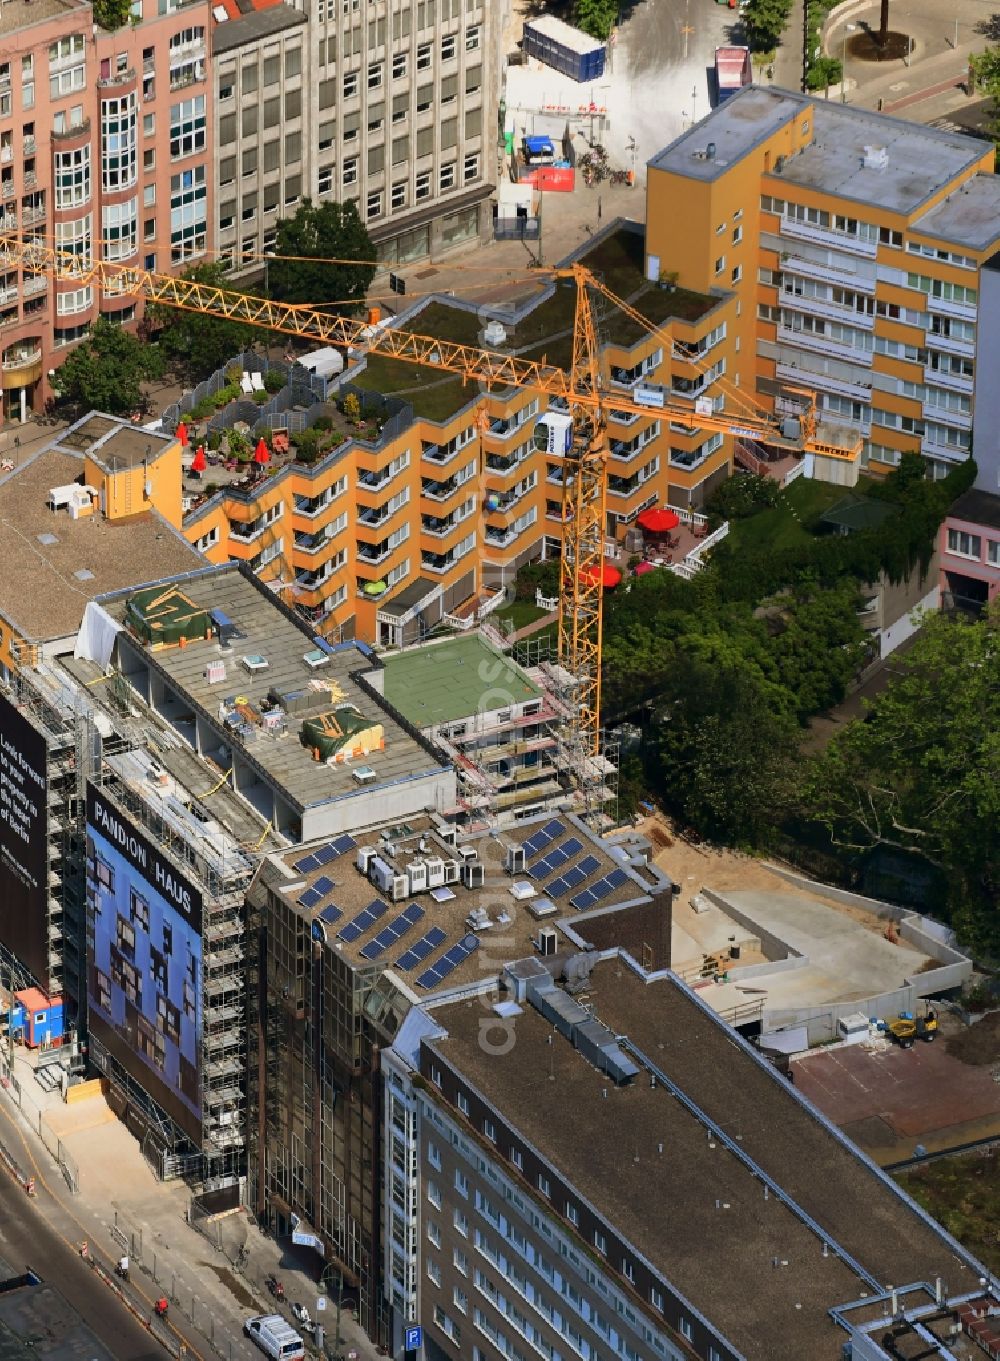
(668, 279)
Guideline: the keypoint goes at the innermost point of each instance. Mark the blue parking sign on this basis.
(414, 1339)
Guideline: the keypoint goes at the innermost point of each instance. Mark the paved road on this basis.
(27, 1239)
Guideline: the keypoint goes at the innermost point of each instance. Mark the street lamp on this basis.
(848, 28)
(694, 104)
(339, 1268)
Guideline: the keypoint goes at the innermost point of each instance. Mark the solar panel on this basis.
(589, 864)
(331, 914)
(323, 885)
(408, 961)
(561, 854)
(372, 950)
(558, 886)
(350, 932)
(310, 898)
(421, 948)
(450, 960)
(413, 913)
(583, 900)
(307, 863)
(553, 829)
(542, 868)
(616, 878)
(343, 844)
(324, 855)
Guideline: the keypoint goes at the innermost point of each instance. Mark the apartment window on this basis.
(433, 1271)
(424, 57)
(149, 229)
(737, 274)
(490, 1131)
(375, 76)
(398, 196)
(470, 167)
(461, 1223)
(324, 181)
(656, 1297)
(149, 196)
(462, 1101)
(993, 551)
(460, 1300)
(461, 1183)
(447, 1325)
(446, 178)
(516, 1159)
(149, 159)
(434, 1194)
(350, 170)
(434, 1155)
(572, 1213)
(423, 185)
(66, 66)
(543, 1184)
(433, 1233)
(964, 544)
(684, 1328)
(399, 65)
(119, 136)
(459, 1261)
(187, 128)
(225, 92)
(600, 1242)
(73, 238)
(628, 1271)
(350, 84)
(720, 264)
(472, 39)
(737, 235)
(78, 300)
(72, 177)
(119, 229)
(188, 214)
(449, 47)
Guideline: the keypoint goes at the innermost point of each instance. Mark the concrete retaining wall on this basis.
(771, 946)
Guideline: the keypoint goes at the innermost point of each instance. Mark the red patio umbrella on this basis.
(658, 520)
(641, 568)
(261, 454)
(610, 576)
(182, 433)
(199, 463)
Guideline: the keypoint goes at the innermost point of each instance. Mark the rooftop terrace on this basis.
(748, 1262)
(44, 551)
(441, 682)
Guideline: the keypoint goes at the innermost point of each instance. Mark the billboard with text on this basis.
(144, 962)
(23, 841)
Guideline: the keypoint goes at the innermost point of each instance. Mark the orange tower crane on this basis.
(582, 389)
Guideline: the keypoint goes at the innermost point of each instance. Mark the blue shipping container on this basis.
(564, 48)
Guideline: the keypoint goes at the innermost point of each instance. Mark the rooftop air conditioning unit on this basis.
(381, 874)
(451, 872)
(400, 887)
(366, 854)
(494, 334)
(473, 874)
(548, 939)
(364, 775)
(468, 853)
(418, 876)
(435, 872)
(515, 859)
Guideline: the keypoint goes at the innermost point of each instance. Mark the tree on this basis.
(764, 22)
(921, 772)
(194, 344)
(985, 68)
(818, 647)
(112, 14)
(596, 17)
(105, 372)
(311, 248)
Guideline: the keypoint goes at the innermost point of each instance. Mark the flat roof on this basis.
(251, 28)
(979, 507)
(561, 32)
(115, 445)
(43, 549)
(440, 682)
(921, 159)
(18, 14)
(513, 928)
(968, 217)
(695, 1210)
(274, 635)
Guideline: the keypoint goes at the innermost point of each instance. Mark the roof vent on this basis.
(494, 334)
(710, 152)
(876, 158)
(83, 574)
(46, 539)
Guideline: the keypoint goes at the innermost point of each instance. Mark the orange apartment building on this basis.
(379, 540)
(105, 153)
(855, 245)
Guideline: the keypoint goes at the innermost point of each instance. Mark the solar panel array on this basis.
(363, 921)
(407, 919)
(416, 953)
(573, 877)
(556, 858)
(600, 890)
(324, 854)
(317, 893)
(331, 914)
(450, 960)
(543, 837)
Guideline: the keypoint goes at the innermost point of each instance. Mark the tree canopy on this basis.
(193, 344)
(105, 372)
(112, 14)
(311, 248)
(764, 22)
(921, 771)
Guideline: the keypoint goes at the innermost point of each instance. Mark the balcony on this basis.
(965, 348)
(438, 526)
(802, 340)
(832, 310)
(958, 419)
(32, 215)
(795, 264)
(374, 553)
(311, 543)
(439, 491)
(946, 308)
(823, 382)
(374, 516)
(119, 79)
(22, 367)
(954, 382)
(74, 130)
(437, 562)
(34, 284)
(822, 236)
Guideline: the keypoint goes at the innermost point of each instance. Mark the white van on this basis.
(275, 1337)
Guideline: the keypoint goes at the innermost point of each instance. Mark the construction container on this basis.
(564, 48)
(38, 1018)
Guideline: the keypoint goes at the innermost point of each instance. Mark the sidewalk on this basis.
(214, 1276)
